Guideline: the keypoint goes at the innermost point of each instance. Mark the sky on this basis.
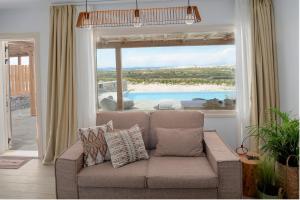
(178, 56)
(14, 60)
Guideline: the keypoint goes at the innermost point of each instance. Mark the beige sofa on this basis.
(217, 175)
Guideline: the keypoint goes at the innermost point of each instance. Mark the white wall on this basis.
(287, 32)
(215, 13)
(32, 19)
(226, 128)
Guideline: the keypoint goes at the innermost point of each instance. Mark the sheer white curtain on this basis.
(243, 64)
(86, 85)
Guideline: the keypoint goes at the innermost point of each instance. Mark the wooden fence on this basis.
(19, 80)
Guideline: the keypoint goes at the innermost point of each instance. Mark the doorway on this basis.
(21, 98)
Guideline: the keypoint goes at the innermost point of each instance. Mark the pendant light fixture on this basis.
(137, 21)
(83, 20)
(138, 17)
(189, 14)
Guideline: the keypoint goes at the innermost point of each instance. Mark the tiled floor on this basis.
(23, 130)
(31, 181)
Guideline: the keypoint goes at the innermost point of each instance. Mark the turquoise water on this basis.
(180, 96)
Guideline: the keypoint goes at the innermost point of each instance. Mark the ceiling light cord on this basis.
(86, 6)
(136, 4)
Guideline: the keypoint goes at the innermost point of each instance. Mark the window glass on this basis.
(25, 60)
(106, 79)
(13, 60)
(177, 77)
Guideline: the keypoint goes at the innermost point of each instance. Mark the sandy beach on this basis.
(155, 87)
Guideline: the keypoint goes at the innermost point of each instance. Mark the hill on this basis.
(184, 76)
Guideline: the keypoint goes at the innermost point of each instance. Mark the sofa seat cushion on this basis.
(180, 172)
(104, 175)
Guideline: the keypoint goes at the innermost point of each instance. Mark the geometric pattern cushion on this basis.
(94, 145)
(126, 146)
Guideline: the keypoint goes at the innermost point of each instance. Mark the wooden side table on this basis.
(249, 176)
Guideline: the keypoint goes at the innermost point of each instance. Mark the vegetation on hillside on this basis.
(180, 76)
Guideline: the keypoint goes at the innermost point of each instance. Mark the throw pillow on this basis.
(179, 142)
(94, 145)
(126, 146)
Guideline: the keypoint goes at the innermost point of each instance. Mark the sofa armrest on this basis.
(226, 164)
(67, 166)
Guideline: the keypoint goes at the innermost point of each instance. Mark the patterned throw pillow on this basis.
(126, 146)
(94, 145)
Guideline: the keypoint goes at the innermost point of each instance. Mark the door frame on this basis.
(4, 101)
(32, 36)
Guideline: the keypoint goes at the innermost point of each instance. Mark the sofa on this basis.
(215, 175)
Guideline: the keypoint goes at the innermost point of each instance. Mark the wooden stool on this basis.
(249, 176)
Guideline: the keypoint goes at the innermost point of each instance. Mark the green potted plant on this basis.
(267, 180)
(280, 139)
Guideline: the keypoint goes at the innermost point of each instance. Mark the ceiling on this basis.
(104, 1)
(19, 4)
(15, 4)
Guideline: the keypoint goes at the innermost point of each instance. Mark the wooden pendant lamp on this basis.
(139, 17)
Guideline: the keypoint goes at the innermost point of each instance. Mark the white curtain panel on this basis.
(243, 64)
(86, 84)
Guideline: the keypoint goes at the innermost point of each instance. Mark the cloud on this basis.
(176, 56)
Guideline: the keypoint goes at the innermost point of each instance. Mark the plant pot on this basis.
(292, 184)
(281, 170)
(262, 195)
(289, 180)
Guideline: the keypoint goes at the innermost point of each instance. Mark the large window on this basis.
(173, 77)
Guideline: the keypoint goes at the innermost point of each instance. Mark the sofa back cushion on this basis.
(184, 142)
(125, 120)
(173, 119)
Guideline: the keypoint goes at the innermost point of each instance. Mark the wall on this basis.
(215, 13)
(226, 127)
(32, 19)
(287, 33)
(213, 19)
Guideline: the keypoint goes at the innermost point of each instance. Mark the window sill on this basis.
(219, 113)
(207, 113)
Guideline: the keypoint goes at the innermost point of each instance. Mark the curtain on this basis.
(61, 119)
(264, 84)
(86, 73)
(243, 43)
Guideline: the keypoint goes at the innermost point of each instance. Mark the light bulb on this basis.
(137, 22)
(189, 19)
(189, 15)
(86, 23)
(86, 20)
